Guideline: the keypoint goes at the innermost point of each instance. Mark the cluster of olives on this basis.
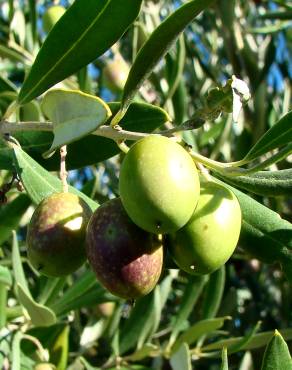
(162, 204)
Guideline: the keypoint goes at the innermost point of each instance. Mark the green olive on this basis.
(51, 17)
(159, 184)
(115, 74)
(44, 366)
(210, 237)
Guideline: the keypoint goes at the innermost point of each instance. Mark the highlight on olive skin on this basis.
(56, 234)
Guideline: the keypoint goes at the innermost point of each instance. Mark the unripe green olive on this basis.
(115, 74)
(56, 234)
(44, 366)
(210, 237)
(51, 17)
(159, 184)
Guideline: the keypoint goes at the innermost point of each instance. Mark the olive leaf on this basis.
(268, 183)
(181, 359)
(40, 315)
(6, 85)
(200, 328)
(189, 300)
(33, 17)
(18, 271)
(134, 326)
(16, 351)
(86, 291)
(236, 347)
(213, 293)
(278, 14)
(38, 182)
(5, 283)
(277, 136)
(9, 52)
(176, 65)
(224, 365)
(143, 352)
(264, 234)
(277, 356)
(11, 214)
(74, 115)
(85, 31)
(158, 44)
(5, 276)
(257, 341)
(60, 348)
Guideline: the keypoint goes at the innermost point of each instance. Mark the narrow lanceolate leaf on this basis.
(257, 341)
(85, 32)
(10, 215)
(224, 365)
(38, 182)
(189, 299)
(268, 183)
(74, 115)
(6, 162)
(40, 315)
(277, 356)
(16, 352)
(59, 350)
(18, 272)
(277, 136)
(33, 17)
(181, 360)
(152, 324)
(264, 234)
(6, 85)
(213, 293)
(143, 352)
(176, 66)
(5, 276)
(158, 44)
(75, 296)
(277, 15)
(197, 330)
(134, 326)
(10, 53)
(245, 340)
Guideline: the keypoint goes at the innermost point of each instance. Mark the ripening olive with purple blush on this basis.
(126, 259)
(56, 234)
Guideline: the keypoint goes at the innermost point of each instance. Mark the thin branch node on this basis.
(63, 172)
